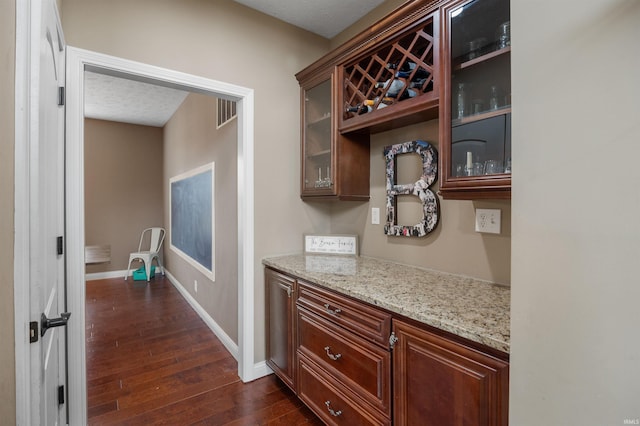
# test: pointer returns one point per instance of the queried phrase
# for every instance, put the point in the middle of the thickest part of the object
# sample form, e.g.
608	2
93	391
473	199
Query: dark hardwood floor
152	360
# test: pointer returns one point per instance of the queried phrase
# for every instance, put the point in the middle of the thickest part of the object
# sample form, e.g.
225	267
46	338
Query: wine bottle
383	102
394	87
365	107
420	85
359	109
419	74
407	66
409	93
407	69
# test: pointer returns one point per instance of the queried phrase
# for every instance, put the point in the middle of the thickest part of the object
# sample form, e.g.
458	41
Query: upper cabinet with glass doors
475	102
318	139
446	60
333	166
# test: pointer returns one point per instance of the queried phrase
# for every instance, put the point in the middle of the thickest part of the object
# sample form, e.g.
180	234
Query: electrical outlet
195	285
488	220
375	216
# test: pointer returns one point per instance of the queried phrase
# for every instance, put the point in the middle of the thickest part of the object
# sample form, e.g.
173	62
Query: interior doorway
78	61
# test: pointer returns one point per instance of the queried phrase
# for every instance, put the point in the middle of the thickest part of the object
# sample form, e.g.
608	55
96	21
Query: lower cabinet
438	382
335	353
325	395
280	300
344	361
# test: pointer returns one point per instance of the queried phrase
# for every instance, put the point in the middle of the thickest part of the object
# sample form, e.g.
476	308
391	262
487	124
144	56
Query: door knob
46	323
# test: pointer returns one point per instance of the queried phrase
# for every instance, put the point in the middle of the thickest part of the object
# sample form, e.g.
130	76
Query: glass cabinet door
317	138
477	135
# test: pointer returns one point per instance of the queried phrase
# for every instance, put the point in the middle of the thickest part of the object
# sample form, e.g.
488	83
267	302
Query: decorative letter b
420	189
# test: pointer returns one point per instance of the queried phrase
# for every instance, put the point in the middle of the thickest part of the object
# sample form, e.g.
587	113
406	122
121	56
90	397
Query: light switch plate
488	221
375	216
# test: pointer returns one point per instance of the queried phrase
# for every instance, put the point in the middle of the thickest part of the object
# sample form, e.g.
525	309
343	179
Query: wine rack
396	79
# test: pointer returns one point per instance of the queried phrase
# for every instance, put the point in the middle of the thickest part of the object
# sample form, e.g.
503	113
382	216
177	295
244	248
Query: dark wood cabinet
475	100
439	382
333	166
368	322
396	82
334	142
347	341
353	363
280	316
446	60
330	400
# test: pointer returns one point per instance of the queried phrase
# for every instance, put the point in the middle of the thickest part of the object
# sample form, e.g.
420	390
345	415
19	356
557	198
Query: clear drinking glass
492	167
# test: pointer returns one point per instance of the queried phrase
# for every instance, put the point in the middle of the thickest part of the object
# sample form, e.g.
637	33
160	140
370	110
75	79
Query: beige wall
7	117
575	312
191	140
123	187
453	246
363	23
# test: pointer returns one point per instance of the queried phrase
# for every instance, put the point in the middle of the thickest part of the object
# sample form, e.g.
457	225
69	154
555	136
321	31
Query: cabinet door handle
330	311
332	356
333	413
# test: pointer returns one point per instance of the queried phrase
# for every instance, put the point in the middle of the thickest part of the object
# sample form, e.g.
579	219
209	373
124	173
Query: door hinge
60	96
60	395
392	340
33	331
60	245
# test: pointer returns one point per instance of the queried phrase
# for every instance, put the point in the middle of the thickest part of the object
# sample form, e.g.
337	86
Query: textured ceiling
118	99
323	17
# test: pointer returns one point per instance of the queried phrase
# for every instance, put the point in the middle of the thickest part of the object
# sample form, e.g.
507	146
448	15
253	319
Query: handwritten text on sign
331	244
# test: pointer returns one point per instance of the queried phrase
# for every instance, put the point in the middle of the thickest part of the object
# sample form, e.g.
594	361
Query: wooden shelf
319	153
481	116
324	119
481	59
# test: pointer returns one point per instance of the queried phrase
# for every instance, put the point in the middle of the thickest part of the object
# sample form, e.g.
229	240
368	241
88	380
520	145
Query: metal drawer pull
333	413
330	311
332	356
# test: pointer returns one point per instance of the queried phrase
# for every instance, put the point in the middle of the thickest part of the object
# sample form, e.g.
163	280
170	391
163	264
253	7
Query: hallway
152	360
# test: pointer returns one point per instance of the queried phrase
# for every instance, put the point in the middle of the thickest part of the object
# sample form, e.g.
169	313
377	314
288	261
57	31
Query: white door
46	221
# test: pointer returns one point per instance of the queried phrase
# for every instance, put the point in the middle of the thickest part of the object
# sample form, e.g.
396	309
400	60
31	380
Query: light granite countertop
470	308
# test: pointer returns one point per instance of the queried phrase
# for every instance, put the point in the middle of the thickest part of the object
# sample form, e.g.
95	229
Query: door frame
21	264
77	61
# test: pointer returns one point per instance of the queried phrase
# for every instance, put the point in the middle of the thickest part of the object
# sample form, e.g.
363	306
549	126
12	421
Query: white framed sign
331	244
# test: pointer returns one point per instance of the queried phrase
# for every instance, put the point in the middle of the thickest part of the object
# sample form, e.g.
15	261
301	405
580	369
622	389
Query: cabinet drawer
328	399
367	322
361	366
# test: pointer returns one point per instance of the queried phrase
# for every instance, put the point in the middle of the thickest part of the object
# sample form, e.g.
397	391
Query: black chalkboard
192	215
